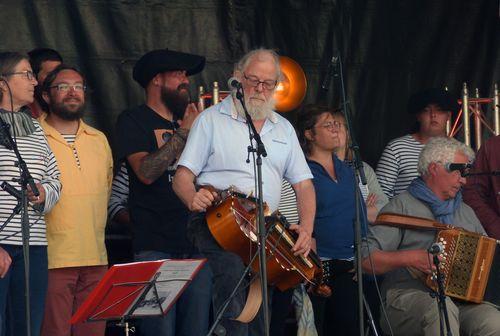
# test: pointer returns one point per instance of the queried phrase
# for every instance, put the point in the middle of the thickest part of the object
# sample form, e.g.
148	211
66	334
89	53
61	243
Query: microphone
11	190
330	73
233	83
457	166
436	248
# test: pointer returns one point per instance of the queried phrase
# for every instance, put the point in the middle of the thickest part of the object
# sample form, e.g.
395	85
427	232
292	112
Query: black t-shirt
159	217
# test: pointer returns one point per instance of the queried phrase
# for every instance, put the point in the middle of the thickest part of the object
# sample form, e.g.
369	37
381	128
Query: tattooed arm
149	166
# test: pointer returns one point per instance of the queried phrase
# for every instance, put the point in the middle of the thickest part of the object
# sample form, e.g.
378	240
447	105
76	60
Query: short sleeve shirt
216	152
158	215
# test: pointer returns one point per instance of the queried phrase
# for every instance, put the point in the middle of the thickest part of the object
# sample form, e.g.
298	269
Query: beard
176	100
65	112
257	110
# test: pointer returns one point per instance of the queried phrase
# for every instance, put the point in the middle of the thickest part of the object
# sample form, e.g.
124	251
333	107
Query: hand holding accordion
470	262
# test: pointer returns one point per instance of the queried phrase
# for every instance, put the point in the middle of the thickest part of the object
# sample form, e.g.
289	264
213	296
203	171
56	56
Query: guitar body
233	225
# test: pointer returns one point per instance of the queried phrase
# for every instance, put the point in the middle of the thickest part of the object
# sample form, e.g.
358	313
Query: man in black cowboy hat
150	138
397	166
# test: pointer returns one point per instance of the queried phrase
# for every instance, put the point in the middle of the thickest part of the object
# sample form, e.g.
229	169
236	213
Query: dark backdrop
390	48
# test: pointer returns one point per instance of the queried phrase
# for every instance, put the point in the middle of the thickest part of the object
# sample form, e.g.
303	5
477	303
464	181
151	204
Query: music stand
137	290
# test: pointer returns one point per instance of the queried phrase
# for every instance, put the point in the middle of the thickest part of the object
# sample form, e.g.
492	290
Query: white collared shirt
216	152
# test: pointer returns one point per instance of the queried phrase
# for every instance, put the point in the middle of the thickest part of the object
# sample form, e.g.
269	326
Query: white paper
174	275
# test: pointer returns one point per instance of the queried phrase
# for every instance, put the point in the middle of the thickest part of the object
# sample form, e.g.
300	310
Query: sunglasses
463	168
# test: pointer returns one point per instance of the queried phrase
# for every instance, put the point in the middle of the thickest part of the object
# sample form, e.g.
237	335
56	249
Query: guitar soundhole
219	215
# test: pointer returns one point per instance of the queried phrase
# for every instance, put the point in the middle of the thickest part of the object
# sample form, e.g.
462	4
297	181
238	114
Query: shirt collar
49	130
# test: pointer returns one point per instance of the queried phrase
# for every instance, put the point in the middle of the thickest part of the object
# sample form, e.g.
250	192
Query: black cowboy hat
161	60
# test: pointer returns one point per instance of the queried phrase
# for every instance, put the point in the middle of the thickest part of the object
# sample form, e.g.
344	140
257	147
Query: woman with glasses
17	84
372	193
335	187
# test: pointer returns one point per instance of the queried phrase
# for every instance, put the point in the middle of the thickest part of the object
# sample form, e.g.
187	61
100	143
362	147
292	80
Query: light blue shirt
216	152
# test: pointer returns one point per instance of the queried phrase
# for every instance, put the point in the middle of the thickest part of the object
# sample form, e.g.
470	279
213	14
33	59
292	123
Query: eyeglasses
331	125
28	73
254	82
462	168
63	87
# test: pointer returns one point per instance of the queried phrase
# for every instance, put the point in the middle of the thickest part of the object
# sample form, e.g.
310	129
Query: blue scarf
442	210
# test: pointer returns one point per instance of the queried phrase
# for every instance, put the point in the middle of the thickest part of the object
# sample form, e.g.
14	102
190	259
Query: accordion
470	264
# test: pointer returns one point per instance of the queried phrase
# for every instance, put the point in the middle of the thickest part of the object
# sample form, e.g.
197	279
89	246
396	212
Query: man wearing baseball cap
150	139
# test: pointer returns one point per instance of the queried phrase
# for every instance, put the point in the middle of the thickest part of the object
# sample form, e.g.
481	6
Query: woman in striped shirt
17	84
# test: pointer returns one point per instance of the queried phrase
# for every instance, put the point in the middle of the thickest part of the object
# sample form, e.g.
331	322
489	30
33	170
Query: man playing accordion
393	251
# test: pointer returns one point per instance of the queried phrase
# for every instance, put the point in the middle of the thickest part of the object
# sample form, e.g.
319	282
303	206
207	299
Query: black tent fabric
389	48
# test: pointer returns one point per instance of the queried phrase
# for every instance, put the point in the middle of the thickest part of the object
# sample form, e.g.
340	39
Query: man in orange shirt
75	226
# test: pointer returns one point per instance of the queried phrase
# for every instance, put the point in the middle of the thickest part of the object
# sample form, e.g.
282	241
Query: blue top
216	152
335	210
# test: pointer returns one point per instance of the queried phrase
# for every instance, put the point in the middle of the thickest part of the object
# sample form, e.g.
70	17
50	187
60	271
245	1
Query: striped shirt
288	203
70	139
397	166
119	192
42	166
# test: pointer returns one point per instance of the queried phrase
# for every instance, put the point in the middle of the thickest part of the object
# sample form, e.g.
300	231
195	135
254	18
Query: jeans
12	291
189	316
227	268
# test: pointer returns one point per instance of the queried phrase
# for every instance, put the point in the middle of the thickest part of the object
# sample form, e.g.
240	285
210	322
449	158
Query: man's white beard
257	112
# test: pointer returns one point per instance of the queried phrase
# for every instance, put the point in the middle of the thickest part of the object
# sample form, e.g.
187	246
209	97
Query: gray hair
260	54
442	150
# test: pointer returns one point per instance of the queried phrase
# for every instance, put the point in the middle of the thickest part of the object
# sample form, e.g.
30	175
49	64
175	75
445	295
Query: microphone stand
261	152
359	174
214	329
443	310
24	180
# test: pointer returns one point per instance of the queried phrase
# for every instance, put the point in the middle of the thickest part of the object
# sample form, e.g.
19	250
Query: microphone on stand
233	83
436	248
330	73
11	190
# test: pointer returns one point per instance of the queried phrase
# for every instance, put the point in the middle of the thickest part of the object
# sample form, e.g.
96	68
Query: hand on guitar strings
304	240
202	200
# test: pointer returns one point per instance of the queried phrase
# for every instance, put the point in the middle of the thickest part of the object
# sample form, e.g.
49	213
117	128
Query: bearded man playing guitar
216	154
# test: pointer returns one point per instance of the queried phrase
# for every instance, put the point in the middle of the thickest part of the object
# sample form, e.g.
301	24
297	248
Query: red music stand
136	290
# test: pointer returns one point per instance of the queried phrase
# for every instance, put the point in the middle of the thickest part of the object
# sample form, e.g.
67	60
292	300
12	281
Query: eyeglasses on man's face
64	87
331	125
254	82
28	73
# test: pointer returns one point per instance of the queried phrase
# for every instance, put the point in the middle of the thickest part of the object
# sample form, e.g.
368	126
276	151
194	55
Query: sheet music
174	275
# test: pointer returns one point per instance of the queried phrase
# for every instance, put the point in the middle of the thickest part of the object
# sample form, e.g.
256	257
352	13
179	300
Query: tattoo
156	163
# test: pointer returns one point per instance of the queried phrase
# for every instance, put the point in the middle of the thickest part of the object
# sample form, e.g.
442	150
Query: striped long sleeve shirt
119	192
42	166
397	166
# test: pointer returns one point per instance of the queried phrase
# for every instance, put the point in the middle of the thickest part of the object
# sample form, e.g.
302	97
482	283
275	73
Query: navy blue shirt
335	210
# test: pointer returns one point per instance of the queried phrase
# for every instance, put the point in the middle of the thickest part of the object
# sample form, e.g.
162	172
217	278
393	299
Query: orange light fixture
291	90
